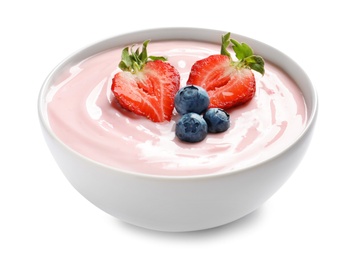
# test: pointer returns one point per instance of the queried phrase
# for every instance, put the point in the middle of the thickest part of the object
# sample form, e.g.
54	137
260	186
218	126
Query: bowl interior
193	34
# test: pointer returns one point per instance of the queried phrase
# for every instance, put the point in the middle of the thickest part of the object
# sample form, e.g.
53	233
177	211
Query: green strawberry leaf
242	50
153	58
125	62
225	44
143	56
244	54
134	60
256	63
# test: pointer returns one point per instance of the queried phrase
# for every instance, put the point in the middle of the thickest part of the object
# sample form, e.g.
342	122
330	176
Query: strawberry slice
228	82
146	85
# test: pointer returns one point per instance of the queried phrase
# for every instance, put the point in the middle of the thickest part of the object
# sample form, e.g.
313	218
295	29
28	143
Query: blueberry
191	99
191	128
217	120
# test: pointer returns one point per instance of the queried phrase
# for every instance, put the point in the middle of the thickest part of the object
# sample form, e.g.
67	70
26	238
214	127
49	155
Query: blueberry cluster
196	121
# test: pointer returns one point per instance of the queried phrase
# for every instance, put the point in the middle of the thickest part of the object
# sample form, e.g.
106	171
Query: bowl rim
168	33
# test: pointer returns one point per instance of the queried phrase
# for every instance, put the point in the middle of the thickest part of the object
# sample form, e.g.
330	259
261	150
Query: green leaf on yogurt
133	60
244	54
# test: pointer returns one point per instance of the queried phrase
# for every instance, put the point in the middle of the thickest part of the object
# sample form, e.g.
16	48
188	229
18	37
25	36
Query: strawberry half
146	85
228	83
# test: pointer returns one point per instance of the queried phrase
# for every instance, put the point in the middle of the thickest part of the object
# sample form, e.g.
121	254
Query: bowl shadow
238	226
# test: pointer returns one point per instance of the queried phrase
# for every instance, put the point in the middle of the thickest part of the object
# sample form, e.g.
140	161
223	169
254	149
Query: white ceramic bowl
180	203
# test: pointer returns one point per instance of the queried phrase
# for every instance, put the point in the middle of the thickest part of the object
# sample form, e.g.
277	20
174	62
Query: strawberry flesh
226	85
149	92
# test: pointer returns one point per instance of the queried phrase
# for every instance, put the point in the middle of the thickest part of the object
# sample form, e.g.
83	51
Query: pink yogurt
84	115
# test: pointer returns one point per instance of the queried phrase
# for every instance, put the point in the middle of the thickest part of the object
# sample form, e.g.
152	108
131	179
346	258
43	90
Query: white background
313	216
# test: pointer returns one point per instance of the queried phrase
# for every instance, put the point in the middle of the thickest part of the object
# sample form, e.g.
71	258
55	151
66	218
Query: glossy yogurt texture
84	114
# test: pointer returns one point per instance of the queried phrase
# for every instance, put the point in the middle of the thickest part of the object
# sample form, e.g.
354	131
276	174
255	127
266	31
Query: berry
217	120
146	85
191	128
228	83
191	99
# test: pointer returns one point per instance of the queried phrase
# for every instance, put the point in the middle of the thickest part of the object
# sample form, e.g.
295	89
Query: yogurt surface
84	114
